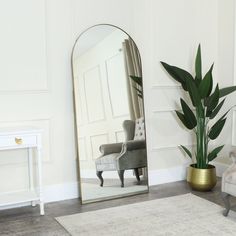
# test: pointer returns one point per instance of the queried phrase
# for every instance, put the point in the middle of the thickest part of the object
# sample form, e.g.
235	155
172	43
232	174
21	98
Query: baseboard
60	192
54	193
66	191
163	176
178	173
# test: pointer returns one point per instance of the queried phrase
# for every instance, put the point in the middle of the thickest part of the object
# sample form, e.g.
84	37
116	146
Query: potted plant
200	118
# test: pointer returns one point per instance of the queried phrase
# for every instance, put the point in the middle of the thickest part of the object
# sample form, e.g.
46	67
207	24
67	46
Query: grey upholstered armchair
124	156
228	186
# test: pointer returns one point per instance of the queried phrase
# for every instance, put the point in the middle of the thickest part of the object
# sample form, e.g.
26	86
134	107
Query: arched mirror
108	101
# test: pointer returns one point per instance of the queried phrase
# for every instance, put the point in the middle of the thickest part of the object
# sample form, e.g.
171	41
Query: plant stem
201	136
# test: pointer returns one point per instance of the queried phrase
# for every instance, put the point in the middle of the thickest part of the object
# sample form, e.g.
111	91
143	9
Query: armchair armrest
109	148
233	156
134	145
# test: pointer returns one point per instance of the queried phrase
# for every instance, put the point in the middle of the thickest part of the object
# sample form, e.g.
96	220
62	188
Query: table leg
41	203
31	176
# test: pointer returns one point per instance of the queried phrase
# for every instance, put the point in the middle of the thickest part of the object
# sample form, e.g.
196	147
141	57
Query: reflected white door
102	102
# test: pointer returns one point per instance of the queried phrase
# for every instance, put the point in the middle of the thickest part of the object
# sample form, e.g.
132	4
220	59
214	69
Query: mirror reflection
109	114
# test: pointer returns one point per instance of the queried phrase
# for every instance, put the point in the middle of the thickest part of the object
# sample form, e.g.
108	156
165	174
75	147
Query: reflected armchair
124	156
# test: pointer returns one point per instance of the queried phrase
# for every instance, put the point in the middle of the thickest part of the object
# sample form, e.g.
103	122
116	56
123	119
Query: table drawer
17	141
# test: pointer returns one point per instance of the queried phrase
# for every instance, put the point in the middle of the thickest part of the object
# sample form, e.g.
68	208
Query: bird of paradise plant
207	103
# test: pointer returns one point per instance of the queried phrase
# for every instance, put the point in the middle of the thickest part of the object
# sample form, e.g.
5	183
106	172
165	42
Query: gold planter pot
202	179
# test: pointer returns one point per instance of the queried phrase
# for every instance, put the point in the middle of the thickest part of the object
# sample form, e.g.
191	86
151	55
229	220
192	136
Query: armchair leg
121	175
225	197
99	175
136	172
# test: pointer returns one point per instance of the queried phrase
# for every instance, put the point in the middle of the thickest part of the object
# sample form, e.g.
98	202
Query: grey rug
185	215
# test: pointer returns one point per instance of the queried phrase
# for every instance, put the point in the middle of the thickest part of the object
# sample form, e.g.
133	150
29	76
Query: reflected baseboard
114	197
91	174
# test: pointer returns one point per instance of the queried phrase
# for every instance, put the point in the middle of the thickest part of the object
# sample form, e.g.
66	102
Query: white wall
163	30
38	39
171	33
226	74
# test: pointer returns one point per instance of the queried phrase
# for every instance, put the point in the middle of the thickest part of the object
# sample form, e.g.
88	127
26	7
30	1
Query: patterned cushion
139	133
107	162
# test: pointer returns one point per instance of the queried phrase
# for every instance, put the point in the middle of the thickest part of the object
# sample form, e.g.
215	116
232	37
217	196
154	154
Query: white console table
29	138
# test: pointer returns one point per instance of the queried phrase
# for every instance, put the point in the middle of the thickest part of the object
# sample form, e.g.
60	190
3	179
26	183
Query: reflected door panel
103	93
117	85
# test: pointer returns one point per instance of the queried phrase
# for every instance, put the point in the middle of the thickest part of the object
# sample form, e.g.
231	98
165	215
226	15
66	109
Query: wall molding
163	111
168	110
117	132
83	139
109	89
78	108
47	89
91	143
166	86
86	96
162	176
60	192
155	149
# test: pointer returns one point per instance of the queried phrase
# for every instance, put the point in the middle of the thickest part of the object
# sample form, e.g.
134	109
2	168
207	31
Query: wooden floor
26	220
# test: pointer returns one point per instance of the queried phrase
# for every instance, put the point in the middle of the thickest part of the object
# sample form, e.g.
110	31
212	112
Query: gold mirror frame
76	124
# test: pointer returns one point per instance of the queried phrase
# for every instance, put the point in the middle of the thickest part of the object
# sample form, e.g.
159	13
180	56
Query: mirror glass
108	99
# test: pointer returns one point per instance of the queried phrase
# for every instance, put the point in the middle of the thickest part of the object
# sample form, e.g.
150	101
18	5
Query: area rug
185	215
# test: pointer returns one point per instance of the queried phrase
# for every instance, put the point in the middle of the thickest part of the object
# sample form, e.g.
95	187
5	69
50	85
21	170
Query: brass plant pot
201	179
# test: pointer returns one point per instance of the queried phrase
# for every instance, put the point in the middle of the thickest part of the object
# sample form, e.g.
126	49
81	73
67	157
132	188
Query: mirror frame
76	123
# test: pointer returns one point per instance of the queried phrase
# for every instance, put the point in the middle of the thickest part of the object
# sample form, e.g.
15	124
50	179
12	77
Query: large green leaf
216	129
140	95
138	87
215	112
178	74
213	154
212	101
193	93
198	65
185	122
189	115
138	90
137	79
187	151
227	90
206	84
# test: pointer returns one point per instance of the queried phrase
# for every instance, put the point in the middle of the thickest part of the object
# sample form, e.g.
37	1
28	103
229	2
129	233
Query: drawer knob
18	141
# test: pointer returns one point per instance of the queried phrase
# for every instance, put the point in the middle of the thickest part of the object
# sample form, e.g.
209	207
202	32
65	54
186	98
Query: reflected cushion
107	162
139	133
